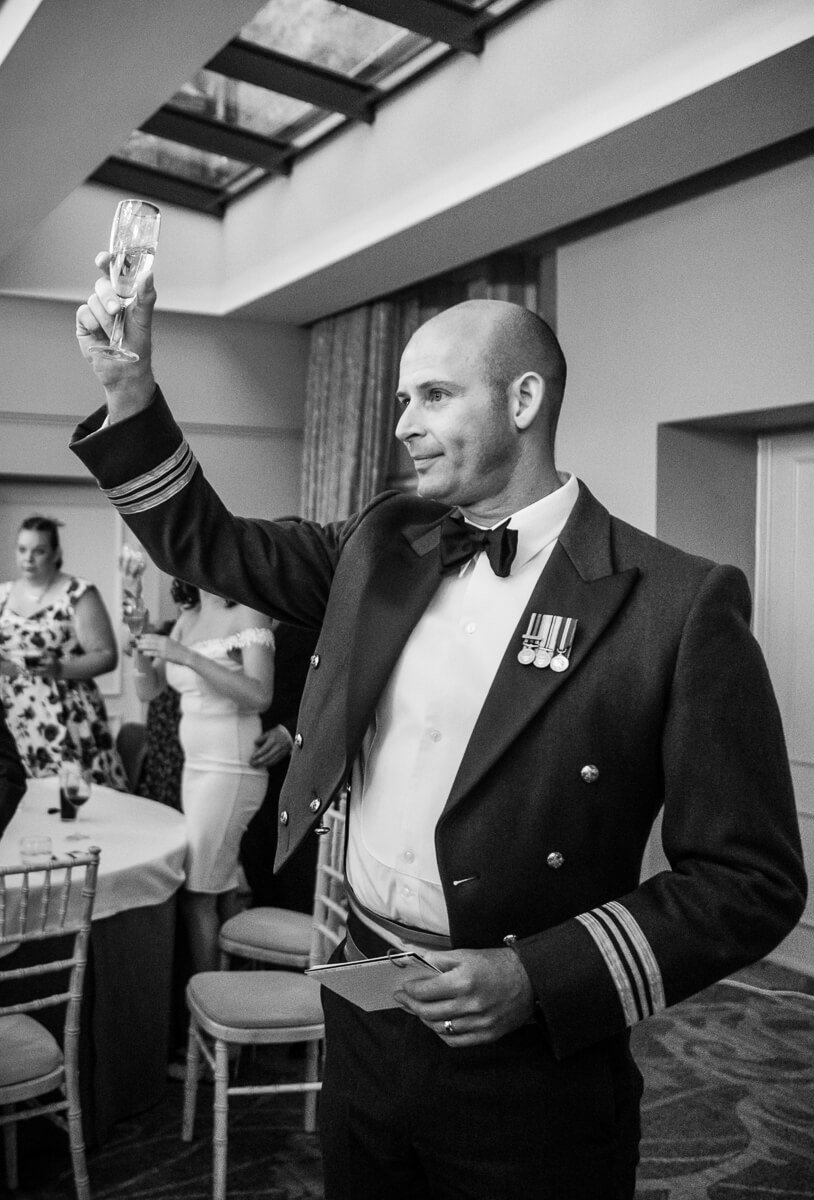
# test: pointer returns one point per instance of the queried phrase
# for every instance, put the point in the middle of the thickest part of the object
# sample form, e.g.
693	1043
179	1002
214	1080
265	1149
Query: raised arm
129	387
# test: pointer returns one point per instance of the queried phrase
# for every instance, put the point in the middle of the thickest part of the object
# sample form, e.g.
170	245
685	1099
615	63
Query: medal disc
559	663
542	658
526	656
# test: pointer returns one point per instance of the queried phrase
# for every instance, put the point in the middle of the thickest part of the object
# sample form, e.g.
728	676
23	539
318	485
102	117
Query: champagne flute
133	240
134	615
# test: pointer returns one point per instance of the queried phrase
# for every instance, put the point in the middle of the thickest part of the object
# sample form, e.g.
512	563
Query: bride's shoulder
250	628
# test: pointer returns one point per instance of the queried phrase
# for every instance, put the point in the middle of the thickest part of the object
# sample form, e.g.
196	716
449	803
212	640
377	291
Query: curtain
350	452
350	408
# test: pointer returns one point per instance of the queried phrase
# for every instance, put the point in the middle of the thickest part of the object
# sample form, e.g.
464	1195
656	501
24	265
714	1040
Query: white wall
237	387
700	309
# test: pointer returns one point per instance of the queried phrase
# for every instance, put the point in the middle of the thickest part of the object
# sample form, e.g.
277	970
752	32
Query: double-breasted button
315	803
589	773
555	860
315	661
284	817
298	740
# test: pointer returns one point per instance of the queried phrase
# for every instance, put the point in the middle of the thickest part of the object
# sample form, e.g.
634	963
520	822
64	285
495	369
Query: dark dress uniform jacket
666	702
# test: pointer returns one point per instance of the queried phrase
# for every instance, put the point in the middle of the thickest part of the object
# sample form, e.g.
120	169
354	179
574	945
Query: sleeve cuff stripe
156	487
629	959
614	965
151	478
160	497
645	951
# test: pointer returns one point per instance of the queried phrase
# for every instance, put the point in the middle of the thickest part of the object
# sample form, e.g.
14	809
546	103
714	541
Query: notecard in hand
371	982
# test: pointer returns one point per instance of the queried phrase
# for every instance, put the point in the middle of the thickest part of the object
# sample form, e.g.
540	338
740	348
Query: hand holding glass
134	612
133	241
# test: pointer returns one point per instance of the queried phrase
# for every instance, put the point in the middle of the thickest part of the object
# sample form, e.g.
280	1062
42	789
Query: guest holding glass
220	658
55	639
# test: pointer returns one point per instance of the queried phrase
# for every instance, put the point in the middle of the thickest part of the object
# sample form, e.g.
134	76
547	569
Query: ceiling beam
292	77
157	185
461	29
204	133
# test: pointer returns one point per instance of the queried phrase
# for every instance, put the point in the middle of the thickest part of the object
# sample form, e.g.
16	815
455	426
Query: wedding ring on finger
449	1029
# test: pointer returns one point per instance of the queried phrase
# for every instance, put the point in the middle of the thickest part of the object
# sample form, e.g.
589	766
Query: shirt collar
542	522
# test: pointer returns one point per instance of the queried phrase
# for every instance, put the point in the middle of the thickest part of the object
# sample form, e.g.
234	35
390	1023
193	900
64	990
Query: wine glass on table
133	241
74	792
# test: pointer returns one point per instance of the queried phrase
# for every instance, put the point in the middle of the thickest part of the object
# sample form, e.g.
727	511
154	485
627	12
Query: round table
143	843
127	1002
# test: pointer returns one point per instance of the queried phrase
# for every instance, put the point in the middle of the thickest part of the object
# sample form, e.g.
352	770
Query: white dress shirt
425	717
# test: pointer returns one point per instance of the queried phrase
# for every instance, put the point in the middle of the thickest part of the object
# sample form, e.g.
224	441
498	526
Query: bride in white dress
220	657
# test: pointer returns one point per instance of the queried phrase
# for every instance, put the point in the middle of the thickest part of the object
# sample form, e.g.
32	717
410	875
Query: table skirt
126	1014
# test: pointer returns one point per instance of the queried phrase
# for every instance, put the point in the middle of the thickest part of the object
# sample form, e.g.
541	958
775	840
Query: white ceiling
572	108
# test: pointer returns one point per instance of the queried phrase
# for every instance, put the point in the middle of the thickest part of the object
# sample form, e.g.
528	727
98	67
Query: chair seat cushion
255	999
27	1050
267	929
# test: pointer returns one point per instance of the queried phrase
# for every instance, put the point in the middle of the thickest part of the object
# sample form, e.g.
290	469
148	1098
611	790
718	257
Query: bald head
480	388
509	340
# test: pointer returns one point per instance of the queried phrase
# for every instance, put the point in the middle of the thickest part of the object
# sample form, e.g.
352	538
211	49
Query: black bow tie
460	541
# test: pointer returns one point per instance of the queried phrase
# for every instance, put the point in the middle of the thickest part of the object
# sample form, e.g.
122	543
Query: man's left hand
481	994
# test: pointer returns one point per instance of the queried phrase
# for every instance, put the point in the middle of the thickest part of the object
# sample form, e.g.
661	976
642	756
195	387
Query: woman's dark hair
48	525
185	595
188	596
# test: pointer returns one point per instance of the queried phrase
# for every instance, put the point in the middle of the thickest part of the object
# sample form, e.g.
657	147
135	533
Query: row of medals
547	641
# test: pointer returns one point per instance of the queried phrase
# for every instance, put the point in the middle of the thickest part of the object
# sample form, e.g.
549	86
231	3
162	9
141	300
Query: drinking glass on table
133	241
35	850
74	791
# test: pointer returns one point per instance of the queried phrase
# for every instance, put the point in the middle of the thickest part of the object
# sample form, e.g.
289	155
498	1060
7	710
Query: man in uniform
511	683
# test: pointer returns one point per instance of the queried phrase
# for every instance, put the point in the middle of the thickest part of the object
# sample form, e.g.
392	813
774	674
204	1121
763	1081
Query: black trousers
404	1116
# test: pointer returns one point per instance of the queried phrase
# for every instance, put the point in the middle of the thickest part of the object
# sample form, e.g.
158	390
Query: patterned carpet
728	1115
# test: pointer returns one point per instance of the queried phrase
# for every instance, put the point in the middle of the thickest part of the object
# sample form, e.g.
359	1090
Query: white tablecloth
143	843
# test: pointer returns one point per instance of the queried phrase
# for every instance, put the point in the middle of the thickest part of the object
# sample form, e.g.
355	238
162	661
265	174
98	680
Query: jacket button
315	803
589	773
284	817
555	860
298	740
315	661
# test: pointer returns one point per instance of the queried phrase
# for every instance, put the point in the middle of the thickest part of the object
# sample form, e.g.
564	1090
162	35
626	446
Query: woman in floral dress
55	638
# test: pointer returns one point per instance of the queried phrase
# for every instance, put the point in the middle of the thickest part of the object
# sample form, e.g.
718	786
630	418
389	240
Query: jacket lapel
579	581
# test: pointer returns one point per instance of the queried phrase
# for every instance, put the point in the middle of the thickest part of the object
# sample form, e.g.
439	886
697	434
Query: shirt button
470	627
315	661
283	817
406	892
589	773
555	860
408	856
435	735
298	739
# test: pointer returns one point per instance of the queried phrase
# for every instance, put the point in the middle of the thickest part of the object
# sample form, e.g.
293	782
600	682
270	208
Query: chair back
41	903
330	912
